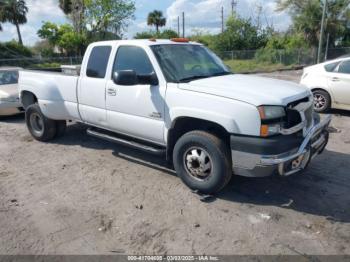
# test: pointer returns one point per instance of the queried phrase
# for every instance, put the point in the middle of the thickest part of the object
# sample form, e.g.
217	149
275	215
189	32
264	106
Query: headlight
271	112
272	118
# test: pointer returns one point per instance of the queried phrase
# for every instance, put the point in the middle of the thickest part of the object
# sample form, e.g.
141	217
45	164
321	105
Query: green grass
47	65
245	66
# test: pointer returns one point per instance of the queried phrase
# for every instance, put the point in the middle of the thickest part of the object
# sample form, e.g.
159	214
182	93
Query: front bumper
285	155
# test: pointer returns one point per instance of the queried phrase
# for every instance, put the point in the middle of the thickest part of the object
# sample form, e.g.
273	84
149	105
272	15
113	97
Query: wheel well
28	99
184	125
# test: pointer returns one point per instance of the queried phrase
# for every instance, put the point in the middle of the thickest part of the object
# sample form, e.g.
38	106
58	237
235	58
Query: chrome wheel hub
198	163
37	124
319	101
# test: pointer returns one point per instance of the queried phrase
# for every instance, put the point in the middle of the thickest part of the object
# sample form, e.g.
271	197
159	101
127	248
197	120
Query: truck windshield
8	77
185	63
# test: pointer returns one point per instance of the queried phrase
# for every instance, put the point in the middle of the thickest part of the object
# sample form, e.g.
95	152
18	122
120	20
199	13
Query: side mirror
130	78
125	78
149	79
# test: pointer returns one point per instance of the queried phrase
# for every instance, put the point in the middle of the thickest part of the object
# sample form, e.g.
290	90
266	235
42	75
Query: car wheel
322	101
202	161
40	127
61	127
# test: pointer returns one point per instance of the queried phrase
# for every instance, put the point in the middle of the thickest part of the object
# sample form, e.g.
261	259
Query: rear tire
203	162
322	101
40	127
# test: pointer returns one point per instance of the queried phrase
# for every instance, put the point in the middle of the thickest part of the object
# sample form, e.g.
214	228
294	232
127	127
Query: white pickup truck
177	98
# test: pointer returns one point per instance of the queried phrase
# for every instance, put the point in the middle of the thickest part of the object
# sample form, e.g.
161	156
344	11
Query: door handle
335	79
111	92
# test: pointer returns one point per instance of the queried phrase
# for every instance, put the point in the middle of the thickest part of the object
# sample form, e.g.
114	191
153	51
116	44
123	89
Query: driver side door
136	110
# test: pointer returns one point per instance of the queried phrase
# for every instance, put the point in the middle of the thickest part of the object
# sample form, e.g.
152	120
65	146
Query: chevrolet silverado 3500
176	98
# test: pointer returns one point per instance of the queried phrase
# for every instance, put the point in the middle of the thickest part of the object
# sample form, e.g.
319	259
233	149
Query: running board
106	135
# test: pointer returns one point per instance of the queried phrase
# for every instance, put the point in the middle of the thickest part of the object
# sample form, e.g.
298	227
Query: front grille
299	111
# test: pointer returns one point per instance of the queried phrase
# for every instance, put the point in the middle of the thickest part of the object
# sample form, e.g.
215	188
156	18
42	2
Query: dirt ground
80	195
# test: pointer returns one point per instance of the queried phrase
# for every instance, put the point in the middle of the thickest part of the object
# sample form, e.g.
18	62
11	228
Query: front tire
322	101
203	162
40	127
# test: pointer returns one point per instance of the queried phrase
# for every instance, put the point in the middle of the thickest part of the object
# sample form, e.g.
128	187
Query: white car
330	84
177	98
9	94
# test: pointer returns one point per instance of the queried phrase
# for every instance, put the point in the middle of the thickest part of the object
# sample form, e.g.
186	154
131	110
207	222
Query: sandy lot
80	195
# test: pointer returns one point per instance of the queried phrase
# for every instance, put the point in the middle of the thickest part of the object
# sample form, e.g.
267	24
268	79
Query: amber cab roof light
180	40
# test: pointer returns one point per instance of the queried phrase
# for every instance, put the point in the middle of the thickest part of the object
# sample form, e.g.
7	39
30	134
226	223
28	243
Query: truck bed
56	92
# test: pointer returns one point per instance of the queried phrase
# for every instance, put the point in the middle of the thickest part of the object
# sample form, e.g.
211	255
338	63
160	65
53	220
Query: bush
13	50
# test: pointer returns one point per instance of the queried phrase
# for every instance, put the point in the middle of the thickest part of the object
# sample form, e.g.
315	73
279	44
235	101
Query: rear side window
98	61
344	67
331	67
132	58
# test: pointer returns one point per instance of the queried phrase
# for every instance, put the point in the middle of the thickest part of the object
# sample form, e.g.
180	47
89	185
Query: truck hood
250	89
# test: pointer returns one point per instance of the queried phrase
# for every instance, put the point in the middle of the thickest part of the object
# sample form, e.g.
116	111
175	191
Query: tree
64	37
108	15
166	34
241	34
156	18
74	10
307	15
66	6
14	11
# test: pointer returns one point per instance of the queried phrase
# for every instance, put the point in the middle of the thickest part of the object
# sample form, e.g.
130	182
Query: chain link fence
240	60
40	62
274	56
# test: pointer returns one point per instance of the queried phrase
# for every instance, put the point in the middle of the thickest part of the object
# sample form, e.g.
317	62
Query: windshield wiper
191	78
222	74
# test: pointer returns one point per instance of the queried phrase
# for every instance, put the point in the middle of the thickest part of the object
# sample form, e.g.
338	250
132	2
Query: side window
132	58
344	67
98	61
331	67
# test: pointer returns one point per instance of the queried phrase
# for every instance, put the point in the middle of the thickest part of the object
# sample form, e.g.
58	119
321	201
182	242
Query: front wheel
202	161
322	101
40	127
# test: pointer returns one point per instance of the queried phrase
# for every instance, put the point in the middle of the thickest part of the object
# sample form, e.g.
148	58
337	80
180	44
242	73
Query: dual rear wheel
42	128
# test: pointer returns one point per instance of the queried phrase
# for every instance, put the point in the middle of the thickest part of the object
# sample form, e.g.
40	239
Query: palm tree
156	18
14	12
66	6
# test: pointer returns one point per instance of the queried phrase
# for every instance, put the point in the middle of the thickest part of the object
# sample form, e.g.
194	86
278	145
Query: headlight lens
271	112
271	120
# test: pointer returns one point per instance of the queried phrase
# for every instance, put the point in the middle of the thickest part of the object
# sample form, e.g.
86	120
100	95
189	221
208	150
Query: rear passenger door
136	110
92	87
340	83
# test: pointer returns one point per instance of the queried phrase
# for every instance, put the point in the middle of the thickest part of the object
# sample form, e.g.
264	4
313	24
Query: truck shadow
322	190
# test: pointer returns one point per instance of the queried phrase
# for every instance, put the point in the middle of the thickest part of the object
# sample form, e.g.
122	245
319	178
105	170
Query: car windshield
8	77
184	63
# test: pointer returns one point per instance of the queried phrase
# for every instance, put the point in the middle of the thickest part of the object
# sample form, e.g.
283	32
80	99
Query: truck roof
145	42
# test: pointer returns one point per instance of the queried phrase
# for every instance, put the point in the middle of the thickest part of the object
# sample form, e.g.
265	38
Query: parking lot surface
80	195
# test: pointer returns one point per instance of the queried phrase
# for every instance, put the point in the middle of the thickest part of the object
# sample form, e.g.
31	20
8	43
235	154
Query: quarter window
344	67
132	58
331	67
98	62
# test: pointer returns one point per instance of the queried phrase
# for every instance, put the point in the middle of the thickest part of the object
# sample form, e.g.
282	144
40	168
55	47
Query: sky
200	15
